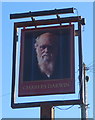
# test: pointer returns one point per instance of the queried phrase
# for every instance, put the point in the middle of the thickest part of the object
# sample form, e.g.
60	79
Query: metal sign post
82	78
85	105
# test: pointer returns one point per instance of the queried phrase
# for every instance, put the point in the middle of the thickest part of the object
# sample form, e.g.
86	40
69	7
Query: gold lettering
47	86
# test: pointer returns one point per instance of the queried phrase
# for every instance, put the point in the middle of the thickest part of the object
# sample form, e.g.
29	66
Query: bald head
47	37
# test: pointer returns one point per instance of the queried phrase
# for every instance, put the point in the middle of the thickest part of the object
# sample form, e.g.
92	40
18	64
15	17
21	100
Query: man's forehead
47	37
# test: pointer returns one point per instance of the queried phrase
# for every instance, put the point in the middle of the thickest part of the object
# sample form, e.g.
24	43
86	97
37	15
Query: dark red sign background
53	86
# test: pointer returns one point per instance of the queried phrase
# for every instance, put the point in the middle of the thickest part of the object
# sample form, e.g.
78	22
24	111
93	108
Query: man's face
46	47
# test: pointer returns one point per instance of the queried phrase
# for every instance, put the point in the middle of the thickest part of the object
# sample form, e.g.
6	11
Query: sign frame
79	101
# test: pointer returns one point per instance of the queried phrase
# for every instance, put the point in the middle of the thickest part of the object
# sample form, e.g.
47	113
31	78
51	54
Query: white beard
46	64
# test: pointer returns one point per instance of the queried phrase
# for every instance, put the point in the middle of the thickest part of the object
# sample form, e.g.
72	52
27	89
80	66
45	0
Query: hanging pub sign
47	61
